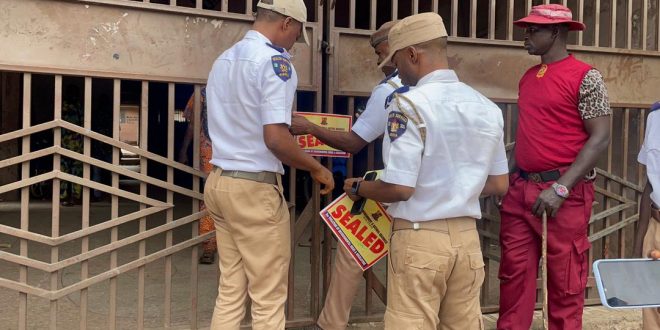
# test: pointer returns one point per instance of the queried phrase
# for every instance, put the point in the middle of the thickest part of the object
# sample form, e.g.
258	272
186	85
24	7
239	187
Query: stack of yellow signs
366	235
315	147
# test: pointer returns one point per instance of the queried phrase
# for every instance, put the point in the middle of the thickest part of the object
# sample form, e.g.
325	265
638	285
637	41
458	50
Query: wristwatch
560	190
355	187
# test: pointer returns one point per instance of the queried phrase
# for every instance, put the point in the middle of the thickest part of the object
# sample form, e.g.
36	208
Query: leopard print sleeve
593	100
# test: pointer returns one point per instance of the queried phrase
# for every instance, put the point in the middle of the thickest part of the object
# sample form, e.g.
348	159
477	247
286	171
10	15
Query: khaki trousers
651	316
346	277
254	247
434	276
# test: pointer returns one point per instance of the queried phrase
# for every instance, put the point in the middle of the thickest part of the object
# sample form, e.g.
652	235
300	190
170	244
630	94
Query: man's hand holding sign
366	234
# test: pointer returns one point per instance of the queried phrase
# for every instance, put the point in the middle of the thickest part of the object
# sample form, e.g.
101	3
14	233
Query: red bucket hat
550	14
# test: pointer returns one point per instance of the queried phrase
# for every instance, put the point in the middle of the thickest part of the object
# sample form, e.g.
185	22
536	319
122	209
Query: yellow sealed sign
366	236
315	147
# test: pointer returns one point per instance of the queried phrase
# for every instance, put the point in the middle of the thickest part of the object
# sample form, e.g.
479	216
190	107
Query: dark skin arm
643	222
496	185
346	141
384	192
187	139
280	142
513	168
599	138
379	191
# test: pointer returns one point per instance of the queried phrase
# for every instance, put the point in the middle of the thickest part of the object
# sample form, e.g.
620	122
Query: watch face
561	190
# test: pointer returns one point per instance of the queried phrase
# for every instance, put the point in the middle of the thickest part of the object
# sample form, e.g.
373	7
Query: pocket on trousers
396	320
274	200
477	267
422	268
577	271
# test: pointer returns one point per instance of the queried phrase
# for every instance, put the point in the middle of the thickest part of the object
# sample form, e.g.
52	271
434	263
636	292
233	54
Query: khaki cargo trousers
254	247
435	272
346	277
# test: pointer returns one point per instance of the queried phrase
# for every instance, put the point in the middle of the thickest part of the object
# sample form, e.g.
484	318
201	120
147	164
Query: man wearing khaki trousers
346	274
443	148
250	94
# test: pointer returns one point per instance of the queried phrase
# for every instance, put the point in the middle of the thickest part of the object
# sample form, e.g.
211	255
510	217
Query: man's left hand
547	201
348	185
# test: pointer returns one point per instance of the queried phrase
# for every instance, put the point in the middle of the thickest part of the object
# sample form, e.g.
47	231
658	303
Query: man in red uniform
563	126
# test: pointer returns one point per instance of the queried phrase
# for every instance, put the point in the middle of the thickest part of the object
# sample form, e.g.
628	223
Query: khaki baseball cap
414	30
381	34
295	9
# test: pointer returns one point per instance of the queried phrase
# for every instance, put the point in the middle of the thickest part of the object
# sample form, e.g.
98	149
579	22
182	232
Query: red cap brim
572	25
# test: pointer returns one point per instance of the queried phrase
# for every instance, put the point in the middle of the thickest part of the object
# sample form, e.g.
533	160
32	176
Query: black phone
358	206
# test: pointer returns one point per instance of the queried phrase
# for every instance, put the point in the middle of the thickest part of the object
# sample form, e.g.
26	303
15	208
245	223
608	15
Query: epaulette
415	117
655	106
392	75
399	90
279	49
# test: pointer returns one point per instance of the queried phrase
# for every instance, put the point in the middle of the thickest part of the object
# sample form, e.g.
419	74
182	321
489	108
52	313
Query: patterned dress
205	151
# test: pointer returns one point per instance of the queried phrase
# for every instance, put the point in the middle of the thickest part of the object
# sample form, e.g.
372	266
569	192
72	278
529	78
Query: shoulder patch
655	106
399	90
397	123
282	67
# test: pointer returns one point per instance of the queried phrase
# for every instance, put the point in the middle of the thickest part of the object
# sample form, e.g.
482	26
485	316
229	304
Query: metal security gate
127	68
130	259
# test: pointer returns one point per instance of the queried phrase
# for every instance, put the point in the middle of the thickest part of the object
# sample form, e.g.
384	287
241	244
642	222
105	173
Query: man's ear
413	54
555	32
286	24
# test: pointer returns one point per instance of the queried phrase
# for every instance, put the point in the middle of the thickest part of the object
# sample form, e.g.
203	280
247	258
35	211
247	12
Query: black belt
546	176
264	177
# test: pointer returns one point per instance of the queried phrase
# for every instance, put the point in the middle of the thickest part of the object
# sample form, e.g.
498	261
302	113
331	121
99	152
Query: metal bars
466	17
63	127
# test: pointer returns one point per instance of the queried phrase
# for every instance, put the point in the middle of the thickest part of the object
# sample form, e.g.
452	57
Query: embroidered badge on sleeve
282	67
397	123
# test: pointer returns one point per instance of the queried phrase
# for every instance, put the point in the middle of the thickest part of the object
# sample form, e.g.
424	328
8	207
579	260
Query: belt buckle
415	225
535	177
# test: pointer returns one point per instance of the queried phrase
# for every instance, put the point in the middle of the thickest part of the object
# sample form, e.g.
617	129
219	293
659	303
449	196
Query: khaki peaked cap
295	9
381	34
414	30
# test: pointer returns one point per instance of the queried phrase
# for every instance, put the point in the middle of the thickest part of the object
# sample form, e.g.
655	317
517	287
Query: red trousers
568	245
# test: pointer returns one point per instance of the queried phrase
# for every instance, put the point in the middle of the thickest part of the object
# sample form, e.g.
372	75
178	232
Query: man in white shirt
346	274
648	234
443	148
250	93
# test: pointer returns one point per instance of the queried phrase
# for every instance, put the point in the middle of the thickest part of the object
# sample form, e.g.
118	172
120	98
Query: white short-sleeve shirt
371	123
251	84
649	155
464	144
